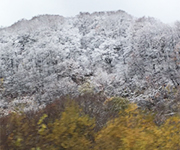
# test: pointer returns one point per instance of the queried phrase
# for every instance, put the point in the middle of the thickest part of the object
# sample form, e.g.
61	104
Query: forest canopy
68	124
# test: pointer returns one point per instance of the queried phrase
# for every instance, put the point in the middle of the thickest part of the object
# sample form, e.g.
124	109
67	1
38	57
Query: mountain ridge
110	52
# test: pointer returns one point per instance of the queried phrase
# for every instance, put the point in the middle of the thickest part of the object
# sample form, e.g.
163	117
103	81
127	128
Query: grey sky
11	11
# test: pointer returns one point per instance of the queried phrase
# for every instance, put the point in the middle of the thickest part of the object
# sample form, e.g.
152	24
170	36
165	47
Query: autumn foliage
66	125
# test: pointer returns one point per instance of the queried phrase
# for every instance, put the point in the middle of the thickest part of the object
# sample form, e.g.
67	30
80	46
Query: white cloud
14	10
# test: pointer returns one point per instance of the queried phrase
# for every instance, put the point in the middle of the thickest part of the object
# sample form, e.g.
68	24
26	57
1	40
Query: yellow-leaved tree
74	131
169	137
132	130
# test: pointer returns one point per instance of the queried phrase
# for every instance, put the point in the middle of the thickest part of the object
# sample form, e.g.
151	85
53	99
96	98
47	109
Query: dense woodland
84	123
105	80
113	52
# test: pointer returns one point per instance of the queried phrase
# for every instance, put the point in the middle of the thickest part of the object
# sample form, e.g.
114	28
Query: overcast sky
11	11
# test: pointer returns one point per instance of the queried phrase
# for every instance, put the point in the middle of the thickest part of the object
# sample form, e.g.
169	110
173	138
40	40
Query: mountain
110	52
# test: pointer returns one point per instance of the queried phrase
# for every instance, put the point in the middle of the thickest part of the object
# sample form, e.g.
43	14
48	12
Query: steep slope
111	52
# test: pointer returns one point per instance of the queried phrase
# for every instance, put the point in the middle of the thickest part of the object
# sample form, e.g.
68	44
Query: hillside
104	52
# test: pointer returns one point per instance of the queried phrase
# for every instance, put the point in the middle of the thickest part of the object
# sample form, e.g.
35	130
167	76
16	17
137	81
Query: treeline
89	122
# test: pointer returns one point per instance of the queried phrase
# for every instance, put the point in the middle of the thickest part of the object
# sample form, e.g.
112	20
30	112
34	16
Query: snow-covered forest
110	52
